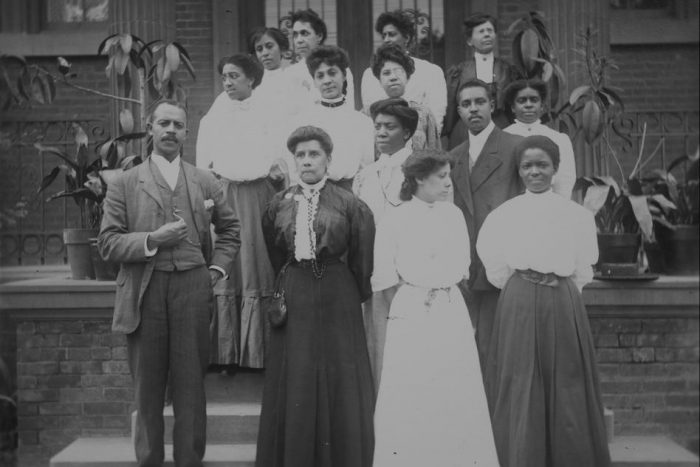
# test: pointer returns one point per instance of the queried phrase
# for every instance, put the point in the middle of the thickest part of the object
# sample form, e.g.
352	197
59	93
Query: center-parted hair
538	142
418	166
477	19
330	55
310	133
315	21
392	53
512	90
400	20
400	109
275	34
250	66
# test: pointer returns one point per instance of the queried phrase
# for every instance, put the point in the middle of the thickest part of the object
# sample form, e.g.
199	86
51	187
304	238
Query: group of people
431	300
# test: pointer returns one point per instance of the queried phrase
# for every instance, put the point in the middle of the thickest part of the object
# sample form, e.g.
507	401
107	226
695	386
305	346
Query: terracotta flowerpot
104	270
77	243
618	248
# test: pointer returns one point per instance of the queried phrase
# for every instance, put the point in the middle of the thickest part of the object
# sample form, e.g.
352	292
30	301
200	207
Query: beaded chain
312	208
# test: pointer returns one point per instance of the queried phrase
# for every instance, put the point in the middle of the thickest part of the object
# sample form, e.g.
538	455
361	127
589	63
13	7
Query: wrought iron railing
36	238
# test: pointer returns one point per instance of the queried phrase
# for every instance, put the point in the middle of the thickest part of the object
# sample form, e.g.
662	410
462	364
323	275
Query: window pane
76	11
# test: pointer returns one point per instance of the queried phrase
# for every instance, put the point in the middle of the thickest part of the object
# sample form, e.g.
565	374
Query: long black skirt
318	400
541	379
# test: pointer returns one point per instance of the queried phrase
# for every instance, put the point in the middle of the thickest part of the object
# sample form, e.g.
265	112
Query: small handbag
276	309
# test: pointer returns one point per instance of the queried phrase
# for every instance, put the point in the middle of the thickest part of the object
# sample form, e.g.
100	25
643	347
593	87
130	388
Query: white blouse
280	93
426	245
379	184
426	86
544	232
351	132
232	140
564	179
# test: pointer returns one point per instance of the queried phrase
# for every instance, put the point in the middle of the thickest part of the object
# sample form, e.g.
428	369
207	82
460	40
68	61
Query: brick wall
73	380
649	375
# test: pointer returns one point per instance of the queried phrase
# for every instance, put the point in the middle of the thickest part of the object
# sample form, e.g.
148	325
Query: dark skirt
318	400
541	379
238	328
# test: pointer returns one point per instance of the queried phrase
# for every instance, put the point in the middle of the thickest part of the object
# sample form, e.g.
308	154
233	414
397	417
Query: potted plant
677	226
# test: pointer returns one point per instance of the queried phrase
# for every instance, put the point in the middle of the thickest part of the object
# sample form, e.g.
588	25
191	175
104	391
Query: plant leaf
106	44
38	90
172	57
121	60
56	152
131	136
547	71
595	198
126	120
49	179
514	25
643	215
592	121
126	41
577	93
529	48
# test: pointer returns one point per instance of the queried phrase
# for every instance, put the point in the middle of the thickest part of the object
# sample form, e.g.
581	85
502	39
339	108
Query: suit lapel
148	182
469	70
488	161
461	177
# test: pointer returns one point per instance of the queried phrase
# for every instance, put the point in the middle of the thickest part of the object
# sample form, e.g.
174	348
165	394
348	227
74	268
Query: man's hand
214	276
169	234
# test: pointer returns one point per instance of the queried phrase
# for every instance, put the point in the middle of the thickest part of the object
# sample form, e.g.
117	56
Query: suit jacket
493	180
455	76
133	208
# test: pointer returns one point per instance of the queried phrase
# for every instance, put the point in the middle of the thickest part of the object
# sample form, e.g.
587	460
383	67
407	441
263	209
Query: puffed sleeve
385	248
461	236
566	175
278	256
489	246
361	250
437	94
203	150
586	248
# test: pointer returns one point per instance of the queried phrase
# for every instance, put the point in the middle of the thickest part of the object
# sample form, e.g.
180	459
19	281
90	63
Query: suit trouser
482	310
173	336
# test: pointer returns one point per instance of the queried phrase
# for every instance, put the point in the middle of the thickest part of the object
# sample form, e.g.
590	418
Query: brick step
119	452
626	451
245	386
609	423
650	451
227	423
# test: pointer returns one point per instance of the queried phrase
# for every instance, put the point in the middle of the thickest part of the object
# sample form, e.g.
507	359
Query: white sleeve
463	242
203	147
385	274
437	95
586	248
350	94
489	246
370	89
566	175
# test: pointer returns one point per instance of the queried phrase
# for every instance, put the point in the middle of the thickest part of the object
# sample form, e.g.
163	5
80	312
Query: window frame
654	26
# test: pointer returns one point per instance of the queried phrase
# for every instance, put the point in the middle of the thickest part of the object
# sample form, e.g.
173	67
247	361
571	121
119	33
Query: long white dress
431	408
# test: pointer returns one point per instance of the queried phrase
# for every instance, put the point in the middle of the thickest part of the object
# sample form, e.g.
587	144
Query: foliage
534	54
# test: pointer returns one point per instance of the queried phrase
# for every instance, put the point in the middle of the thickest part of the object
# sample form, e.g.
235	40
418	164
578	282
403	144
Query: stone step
227	423
119	452
609	423
245	386
650	451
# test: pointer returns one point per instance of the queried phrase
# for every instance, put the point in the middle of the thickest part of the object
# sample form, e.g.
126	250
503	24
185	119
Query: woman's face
483	38
311	161
527	105
392	35
268	52
305	38
393	79
236	84
436	186
389	134
329	80
536	170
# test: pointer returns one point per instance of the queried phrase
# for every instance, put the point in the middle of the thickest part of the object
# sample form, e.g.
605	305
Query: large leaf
56	152
38	91
107	44
577	93
126	41
172	58
643	216
595	198
529	48
77	194
592	121
49	179
126	121
81	138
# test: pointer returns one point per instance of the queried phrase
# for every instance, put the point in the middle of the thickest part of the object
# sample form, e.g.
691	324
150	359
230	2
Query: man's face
168	130
305	38
474	108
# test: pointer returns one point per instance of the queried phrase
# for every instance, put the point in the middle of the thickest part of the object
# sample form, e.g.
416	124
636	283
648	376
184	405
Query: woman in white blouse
232	143
525	99
437	415
541	376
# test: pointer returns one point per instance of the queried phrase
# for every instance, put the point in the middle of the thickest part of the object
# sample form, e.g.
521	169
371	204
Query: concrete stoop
650	451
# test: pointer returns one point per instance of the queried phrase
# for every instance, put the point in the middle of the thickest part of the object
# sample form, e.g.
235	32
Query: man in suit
481	36
156	224
484	176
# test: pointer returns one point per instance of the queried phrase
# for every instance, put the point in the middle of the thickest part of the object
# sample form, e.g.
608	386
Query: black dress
318	400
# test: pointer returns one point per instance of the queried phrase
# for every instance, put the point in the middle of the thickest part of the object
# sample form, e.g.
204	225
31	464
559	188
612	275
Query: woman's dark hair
418	166
310	133
311	17
538	142
276	35
250	66
399	19
392	53
330	55
399	108
477	19
512	90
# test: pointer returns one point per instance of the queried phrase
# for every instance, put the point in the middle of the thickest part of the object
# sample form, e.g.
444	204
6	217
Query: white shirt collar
543	193
477	142
398	158
479	57
307	187
169	170
527	126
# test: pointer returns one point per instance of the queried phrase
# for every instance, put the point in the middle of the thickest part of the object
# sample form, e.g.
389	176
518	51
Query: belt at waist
541	278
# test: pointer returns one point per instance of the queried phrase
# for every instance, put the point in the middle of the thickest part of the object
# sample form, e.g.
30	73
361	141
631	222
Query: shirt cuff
221	270
149	253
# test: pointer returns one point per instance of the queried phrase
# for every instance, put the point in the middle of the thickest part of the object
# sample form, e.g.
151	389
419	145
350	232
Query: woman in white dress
232	143
540	371
431	408
525	99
